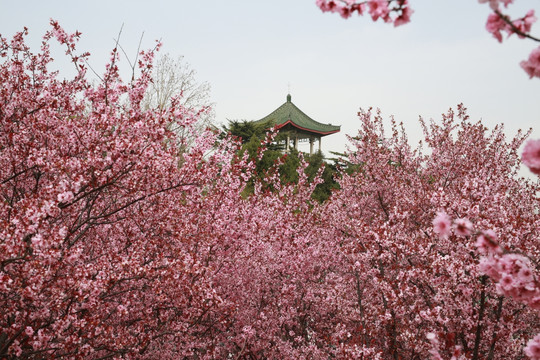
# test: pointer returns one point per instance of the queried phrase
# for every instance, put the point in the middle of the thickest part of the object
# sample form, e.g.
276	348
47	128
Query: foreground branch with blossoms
117	241
399	12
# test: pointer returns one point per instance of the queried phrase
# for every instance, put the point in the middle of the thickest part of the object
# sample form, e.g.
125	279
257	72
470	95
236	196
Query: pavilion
297	126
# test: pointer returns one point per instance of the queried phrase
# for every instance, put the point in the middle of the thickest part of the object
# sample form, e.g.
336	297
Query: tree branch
514	28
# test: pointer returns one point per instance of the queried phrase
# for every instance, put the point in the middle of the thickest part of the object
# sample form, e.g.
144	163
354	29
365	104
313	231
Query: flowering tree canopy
117	241
100	253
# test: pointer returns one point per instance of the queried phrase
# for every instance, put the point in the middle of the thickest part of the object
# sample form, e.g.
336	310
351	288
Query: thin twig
136	57
91	68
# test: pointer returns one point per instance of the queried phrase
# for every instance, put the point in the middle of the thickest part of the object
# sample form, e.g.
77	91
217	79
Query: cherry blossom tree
99	254
513	273
408	278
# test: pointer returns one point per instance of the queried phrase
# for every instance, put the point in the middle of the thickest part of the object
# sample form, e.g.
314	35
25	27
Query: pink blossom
529	19
514	277
332	5
532	350
59	32
359	8
463	227
434	350
345	11
532	66
441	224
122	309
65	197
458	350
524	24
37	240
525	275
506	282
29	331
531	151
490	266
535	302
378	8
16	348
493	4
249	331
495	24
325	5
405	16
487	242
322	5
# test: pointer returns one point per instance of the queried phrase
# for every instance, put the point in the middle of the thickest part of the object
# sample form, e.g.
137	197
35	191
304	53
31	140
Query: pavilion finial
288	97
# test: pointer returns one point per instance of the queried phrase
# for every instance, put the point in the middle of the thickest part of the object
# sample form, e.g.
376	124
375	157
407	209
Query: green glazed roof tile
288	113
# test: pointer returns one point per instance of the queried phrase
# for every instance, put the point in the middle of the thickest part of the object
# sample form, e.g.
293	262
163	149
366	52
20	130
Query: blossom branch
514	28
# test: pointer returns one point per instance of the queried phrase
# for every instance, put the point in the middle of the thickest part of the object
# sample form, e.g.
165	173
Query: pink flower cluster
495	24
514	277
434	351
511	272
487	242
532	350
532	64
376	9
494	4
531	151
498	22
524	24
442	226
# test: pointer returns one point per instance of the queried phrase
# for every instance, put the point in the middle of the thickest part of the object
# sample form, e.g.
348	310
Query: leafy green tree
252	136
323	190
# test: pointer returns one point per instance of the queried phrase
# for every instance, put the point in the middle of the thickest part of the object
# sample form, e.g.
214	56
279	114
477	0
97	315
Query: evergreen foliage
252	136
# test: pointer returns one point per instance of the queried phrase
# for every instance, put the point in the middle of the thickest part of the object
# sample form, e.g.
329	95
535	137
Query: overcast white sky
250	50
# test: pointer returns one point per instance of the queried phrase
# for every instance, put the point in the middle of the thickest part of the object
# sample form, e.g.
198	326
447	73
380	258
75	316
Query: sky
252	52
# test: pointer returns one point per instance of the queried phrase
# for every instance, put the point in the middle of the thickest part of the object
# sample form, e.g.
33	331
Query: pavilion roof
288	113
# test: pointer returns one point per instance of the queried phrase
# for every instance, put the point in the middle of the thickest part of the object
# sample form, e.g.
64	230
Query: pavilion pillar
311	146
287	143
296	142
320	143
